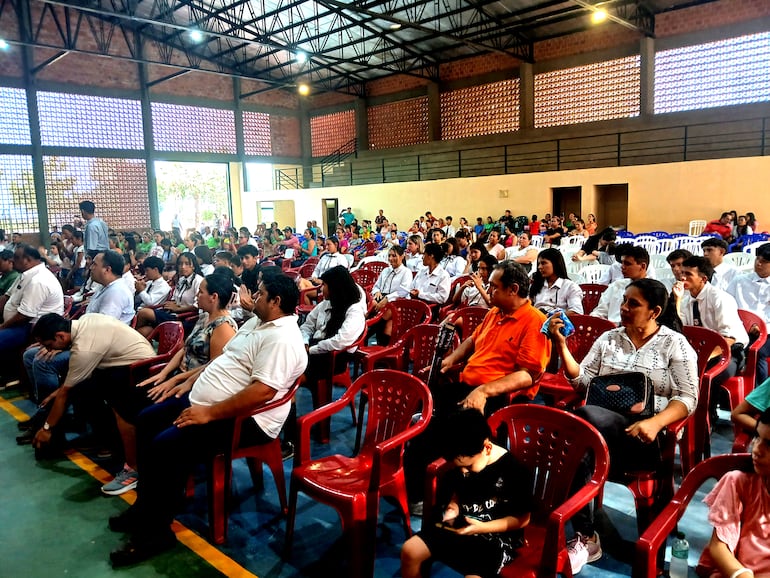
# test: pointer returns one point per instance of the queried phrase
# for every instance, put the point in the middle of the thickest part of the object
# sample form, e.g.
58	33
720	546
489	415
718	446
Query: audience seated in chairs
645	342
259	364
551	287
432	283
504	358
393	283
336	324
414	250
184	297
474	292
738	511
329	259
214	329
153	290
634	267
523	252
453	263
490	504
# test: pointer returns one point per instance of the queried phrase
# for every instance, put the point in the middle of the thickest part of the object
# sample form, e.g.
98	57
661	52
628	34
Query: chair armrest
371	321
433	473
395	350
304	423
398	440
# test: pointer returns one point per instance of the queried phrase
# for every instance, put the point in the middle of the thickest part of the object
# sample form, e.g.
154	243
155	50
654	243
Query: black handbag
630	394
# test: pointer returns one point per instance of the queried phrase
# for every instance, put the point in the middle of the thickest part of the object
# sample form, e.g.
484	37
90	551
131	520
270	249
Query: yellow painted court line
201	547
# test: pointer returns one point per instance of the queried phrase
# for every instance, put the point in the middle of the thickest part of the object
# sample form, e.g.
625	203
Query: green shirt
7	280
212	243
145	247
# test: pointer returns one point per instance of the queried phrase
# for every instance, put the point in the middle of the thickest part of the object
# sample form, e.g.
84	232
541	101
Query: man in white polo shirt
37	292
261	362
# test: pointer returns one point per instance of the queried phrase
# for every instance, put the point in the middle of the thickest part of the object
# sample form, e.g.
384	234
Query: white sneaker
578	554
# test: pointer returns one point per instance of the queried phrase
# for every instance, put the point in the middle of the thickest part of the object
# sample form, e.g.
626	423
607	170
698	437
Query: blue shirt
95	237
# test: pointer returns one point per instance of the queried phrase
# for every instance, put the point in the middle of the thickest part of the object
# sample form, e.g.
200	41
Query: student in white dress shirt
432	283
154	289
414	249
552	288
393	283
452	262
633	266
714	250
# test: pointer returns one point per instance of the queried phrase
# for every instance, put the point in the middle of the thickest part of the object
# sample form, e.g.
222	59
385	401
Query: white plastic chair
696	227
593	273
577	278
658	261
691	244
537	241
740	260
665	246
751	248
642	239
575	241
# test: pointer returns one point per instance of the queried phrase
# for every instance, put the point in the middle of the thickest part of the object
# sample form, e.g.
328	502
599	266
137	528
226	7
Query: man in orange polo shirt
506	355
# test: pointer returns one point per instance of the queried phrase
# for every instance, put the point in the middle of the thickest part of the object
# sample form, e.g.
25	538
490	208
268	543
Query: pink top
739	510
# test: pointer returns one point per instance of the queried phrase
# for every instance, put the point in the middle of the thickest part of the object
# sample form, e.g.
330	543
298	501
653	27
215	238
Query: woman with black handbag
647	356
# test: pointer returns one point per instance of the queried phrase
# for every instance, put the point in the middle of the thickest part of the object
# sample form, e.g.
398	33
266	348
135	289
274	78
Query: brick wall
280	97
324	99
194	84
329	132
284	131
398	124
710	15
477	66
395	83
11	65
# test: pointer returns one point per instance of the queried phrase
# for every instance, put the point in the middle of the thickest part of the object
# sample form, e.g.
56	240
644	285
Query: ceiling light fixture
303	89
599	15
4	45
395	26
301	57
196	35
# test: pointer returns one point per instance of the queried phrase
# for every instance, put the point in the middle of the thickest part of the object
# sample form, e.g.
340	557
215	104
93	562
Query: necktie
696	320
148	288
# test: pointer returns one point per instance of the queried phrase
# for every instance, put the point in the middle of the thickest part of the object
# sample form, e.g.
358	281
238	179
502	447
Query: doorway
612	206
330	215
566	200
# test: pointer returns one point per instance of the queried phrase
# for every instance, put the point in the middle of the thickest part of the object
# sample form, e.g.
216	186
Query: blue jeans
14	338
45	374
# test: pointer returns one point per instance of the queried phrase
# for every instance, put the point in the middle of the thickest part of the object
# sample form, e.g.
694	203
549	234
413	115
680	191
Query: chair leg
290	519
274	461
220	474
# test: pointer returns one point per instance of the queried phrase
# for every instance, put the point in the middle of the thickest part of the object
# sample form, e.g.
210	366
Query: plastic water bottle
680	550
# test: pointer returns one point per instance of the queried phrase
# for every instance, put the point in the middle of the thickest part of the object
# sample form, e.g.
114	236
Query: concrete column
362	125
306	144
434	112
149	139
526	96
647	76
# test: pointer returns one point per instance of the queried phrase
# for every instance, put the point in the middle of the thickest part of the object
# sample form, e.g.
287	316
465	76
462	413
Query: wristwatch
46	426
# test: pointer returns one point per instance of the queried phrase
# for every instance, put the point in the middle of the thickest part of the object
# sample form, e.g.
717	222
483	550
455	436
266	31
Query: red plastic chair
406	313
695	444
376	266
415	349
740	385
654	538
302	308
551	443
587	330
67	306
472	317
354	485
366	278
221	469
592	292
170	338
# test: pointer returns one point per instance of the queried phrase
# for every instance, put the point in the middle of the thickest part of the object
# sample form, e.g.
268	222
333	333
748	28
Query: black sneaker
287	450
26	425
26	438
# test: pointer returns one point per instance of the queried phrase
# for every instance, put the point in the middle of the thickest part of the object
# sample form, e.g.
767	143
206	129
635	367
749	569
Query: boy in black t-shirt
489	504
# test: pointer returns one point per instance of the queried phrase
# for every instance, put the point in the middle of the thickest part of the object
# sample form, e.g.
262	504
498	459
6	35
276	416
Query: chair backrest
537	241
704	341
644	239
696	226
394	397
552	444
576	240
273	403
665	246
376	266
593	273
419	344
587	330
313	260
456	284
366	278
750	320
306	271
751	248
170	337
592	292
407	313
692	244
472	318
658	234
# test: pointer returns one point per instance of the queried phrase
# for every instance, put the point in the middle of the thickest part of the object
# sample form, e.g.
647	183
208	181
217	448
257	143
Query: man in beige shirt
102	349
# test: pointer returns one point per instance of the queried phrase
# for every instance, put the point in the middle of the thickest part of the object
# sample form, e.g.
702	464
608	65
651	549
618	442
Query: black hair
68	227
656	295
78	235
701	264
6	255
130	240
556	259
235	260
164	242
222	284
677	254
335	240
223	256
763	251
638	254
489	261
87	207
284	287
463	434
714	242
312	233
514	273
29	251
190	257
154	263
435	251
343	292
203	253
49	325
455	247
114	261
248	250
397	249
269	271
